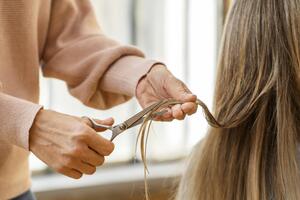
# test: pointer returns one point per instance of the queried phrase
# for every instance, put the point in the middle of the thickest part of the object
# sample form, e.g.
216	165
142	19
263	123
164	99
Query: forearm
98	71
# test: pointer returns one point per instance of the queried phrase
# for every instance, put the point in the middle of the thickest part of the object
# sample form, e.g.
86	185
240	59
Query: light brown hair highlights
144	130
253	156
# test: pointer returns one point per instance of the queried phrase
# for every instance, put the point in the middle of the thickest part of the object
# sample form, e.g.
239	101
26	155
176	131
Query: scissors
133	121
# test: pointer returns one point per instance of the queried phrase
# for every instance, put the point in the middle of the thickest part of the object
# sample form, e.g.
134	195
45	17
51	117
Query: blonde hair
144	130
253	155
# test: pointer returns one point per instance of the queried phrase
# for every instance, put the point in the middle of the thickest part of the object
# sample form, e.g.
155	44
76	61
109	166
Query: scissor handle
96	125
131	122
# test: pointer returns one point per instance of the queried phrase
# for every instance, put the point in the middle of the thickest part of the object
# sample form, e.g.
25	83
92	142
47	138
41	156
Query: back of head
257	99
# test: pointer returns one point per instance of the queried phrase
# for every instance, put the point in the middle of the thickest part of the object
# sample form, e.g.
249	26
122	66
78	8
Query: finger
177	112
100	145
92	158
164	119
167	119
85	168
72	173
188	97
168	115
189	108
158	118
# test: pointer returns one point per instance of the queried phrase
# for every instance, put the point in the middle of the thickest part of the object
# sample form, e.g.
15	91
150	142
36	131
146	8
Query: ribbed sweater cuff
17	116
123	76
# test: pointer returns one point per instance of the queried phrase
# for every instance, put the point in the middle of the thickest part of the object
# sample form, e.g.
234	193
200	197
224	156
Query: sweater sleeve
17	116
99	71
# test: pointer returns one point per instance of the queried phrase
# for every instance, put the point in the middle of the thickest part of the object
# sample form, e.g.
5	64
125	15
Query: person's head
257	100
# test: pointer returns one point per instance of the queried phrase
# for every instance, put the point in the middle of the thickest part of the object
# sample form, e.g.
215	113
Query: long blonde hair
253	155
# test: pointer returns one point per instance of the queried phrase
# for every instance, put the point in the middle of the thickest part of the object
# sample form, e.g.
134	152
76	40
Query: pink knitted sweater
62	38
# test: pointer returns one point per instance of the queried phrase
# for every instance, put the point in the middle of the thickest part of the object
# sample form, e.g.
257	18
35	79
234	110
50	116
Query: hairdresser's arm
98	70
65	143
160	84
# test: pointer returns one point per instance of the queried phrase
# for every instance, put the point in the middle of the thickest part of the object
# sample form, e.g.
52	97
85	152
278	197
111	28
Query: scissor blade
129	122
118	129
141	120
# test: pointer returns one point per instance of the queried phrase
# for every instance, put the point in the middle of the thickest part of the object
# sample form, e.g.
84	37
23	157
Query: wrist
142	84
145	80
35	127
156	70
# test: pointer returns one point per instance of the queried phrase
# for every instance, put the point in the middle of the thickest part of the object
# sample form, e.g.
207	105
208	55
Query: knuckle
60	168
76	176
176	116
69	162
91	170
76	151
86	121
181	117
100	161
109	149
187	109
82	135
192	112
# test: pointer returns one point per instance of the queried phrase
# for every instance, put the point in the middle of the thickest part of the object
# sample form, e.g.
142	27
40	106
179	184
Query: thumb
179	91
107	122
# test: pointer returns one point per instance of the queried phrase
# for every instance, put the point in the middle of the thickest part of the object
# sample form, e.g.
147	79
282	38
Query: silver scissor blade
118	129
141	120
129	122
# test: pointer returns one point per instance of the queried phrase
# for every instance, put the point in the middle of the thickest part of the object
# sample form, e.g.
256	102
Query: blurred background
184	34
